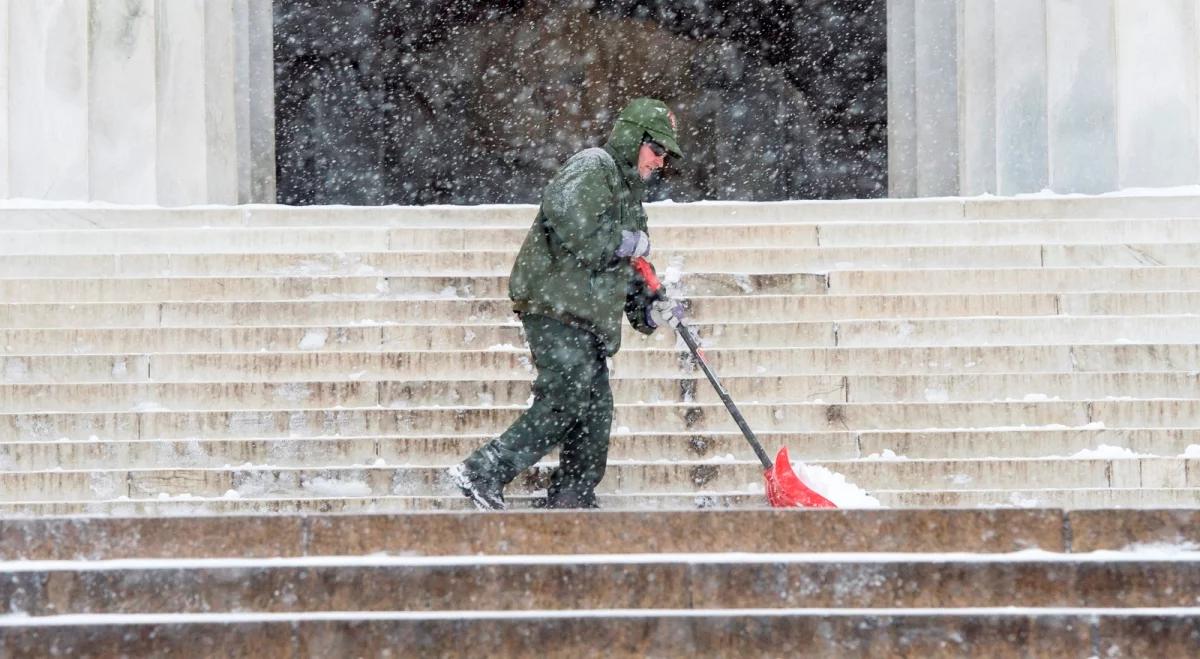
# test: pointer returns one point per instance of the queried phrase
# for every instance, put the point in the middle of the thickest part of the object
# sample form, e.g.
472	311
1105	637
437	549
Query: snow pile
887	454
1106	452
314	339
835	487
333	487
1192	451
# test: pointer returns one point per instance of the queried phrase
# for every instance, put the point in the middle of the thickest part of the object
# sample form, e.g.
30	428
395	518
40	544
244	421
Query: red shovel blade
786	490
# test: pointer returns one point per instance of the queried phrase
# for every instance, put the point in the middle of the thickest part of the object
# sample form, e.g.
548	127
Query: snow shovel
784	487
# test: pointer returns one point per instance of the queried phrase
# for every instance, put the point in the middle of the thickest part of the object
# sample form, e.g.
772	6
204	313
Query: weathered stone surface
911	634
1093	530
436	534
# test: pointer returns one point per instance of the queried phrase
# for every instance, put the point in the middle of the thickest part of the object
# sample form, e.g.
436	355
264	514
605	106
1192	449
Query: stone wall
136	101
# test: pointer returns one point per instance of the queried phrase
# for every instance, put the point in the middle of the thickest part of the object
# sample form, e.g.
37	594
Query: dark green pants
572	407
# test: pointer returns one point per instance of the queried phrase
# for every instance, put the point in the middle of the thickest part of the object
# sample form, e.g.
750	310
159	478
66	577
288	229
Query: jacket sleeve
575	205
637	304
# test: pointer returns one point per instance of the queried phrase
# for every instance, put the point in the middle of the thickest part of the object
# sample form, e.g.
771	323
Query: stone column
922	84
4	139
1072	95
137	101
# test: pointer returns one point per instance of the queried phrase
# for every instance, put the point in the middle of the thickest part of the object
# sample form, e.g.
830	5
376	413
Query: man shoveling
571	281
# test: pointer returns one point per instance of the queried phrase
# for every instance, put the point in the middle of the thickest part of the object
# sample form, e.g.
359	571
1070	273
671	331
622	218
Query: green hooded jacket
567	268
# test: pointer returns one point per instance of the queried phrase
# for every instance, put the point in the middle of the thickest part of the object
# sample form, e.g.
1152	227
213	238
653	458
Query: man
572	279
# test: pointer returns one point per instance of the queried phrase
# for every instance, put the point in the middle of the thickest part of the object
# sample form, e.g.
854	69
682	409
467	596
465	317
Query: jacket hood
643	116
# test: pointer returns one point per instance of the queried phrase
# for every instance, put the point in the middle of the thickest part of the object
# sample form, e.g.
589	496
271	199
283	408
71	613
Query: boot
485	493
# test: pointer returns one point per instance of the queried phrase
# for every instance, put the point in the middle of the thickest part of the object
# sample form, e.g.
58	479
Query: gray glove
665	312
633	244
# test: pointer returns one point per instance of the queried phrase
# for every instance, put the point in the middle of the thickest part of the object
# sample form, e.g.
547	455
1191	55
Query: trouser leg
584	453
566	360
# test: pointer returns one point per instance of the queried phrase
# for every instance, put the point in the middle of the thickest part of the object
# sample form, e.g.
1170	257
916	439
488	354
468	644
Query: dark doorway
392	102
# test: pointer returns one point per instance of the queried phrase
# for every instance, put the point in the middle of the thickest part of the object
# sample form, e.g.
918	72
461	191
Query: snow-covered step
163	289
1024	335
703	309
1106	498
658	417
995	280
360	239
763	260
646	386
353	238
622	477
105	453
777	308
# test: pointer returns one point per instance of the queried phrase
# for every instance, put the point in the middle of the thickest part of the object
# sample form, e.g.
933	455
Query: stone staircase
160	369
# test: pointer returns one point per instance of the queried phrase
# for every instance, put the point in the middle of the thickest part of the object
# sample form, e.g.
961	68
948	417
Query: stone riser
357	239
676	477
714	212
746	236
777	583
860	634
497	263
711	309
302	288
515	364
1073	499
701	284
147	453
994	530
643	418
932	334
225	395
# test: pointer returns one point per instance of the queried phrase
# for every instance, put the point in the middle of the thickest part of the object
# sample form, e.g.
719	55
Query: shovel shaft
692	345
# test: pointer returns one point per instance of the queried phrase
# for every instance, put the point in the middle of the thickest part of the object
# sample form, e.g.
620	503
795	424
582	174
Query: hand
666	312
633	244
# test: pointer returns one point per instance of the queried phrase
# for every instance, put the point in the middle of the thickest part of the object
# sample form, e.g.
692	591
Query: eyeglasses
656	148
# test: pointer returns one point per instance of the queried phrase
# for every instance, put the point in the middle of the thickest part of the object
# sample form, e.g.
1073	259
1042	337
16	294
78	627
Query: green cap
653	117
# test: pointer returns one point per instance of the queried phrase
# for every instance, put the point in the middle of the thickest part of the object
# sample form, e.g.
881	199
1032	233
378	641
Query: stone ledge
467	533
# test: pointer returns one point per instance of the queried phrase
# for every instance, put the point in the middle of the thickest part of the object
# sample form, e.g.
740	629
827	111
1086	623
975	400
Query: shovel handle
646	271
692	345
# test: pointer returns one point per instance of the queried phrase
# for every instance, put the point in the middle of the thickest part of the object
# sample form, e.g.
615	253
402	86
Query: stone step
997	280
1070	498
702	309
668	417
39	216
986	531
1106	499
613	581
512	363
164	289
246	240
762	260
642	388
622	477
868	633
356	238
103	453
953	334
